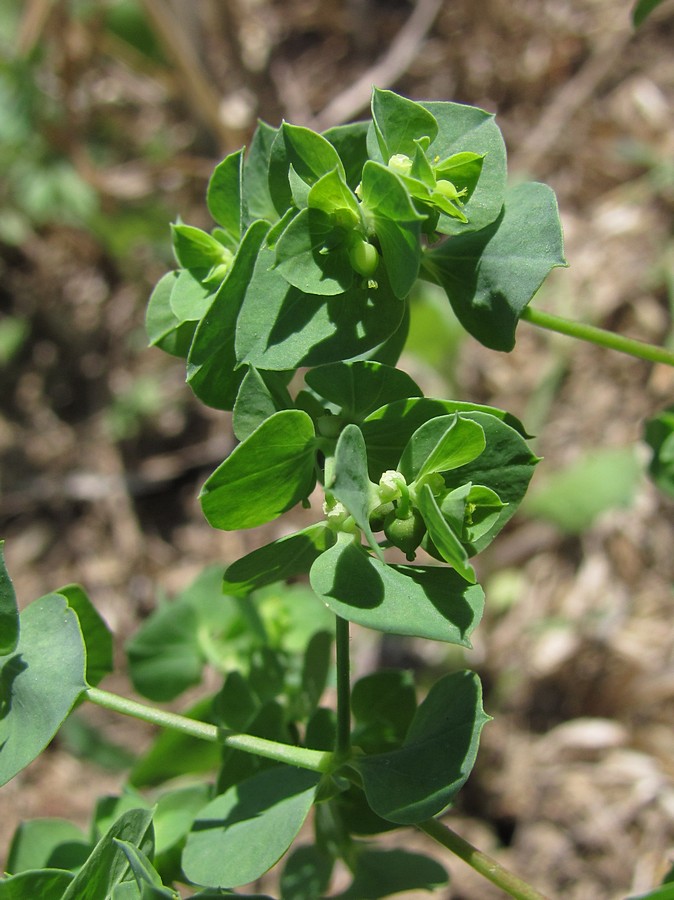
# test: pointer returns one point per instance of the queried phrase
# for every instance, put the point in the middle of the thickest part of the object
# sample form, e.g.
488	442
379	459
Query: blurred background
113	114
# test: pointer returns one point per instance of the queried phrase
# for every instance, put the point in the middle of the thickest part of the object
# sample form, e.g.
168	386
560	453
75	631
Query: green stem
598	336
343	660
481	862
315	760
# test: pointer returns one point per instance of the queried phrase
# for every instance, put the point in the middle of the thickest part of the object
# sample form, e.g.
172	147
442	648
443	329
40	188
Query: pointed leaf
108	866
40	681
242	833
9	612
97	636
399	122
212	359
425	601
421	778
306	259
265	475
446	542
350	484
256	200
196	249
223	196
47	884
190	298
442	444
47	844
260	396
283	559
306	874
164	329
350	141
333	196
490	276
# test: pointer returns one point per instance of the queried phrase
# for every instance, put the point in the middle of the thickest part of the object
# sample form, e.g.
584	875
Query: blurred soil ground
103	450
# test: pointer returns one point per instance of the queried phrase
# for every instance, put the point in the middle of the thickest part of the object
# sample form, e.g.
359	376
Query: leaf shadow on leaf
10	671
451	605
356	579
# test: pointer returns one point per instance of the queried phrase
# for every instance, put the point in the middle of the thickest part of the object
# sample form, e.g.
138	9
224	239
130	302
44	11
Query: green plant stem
598	336
481	862
343	661
316	761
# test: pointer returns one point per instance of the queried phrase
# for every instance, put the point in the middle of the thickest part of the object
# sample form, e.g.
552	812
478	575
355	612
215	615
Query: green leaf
47	844
283	559
260	395
97	636
164	329
307	258
350	141
315	670
235	704
196	249
659	435
441	444
397	225
190	298
640	12
468	129
108	866
399	122
281	328
268	473
490	276
310	154
40	681
174	814
47	884
242	833
421	778
144	872
223	195
333	196
424	601
350	483
383	705
445	540
381	873
269	723
212	359
306	874
664	892
256	200
358	388
573	497
9	612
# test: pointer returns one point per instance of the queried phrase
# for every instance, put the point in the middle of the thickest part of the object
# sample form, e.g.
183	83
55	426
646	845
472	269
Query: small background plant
584	635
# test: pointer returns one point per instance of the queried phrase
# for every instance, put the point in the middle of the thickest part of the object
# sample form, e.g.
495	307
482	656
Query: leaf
306	874
421	778
381	873
9	612
358	388
196	249
47	884
659	435
96	634
40	681
281	328
350	483
640	12
350	141
268	473
212	360
383	705
573	497
283	559
108	866
174	814
223	195
315	670
491	275
256	401
424	601
242	833
144	872
269	722
256	202
397	225
310	154
468	129
445	540
46	844
399	122
164	329
306	259
333	196
190	298
441	444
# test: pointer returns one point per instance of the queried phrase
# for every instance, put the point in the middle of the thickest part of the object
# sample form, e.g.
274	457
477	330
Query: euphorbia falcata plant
292	313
